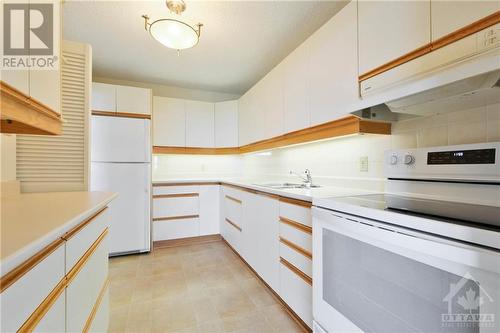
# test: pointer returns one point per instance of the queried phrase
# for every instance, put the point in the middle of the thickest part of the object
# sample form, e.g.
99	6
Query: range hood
468	93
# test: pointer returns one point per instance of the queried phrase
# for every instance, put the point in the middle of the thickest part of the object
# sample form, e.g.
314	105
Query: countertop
31	221
297	193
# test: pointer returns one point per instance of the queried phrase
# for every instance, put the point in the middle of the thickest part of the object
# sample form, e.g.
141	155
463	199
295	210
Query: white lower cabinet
185	211
266	231
66	290
84	289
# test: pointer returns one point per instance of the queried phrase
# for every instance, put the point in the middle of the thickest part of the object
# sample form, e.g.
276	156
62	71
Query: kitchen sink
287	185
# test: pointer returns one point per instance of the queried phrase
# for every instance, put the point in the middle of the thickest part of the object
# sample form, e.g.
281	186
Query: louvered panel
51	163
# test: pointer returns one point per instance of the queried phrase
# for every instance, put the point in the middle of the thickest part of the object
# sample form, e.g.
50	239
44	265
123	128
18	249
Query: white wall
174	92
8	157
336	161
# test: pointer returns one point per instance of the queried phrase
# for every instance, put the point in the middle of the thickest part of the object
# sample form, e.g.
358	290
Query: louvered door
61	163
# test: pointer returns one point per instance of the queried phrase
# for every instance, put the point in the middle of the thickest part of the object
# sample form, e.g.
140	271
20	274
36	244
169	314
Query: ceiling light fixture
173	33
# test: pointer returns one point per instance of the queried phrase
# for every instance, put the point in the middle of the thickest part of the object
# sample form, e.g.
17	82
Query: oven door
375	277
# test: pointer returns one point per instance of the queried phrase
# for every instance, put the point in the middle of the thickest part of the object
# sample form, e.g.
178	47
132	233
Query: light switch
363	164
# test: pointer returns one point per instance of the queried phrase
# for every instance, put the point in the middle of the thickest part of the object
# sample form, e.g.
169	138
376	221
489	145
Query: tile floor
195	288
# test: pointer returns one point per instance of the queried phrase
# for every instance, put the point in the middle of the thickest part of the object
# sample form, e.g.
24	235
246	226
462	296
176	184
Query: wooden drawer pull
170	218
297	271
296	202
233	199
295	247
296	225
233	224
178	195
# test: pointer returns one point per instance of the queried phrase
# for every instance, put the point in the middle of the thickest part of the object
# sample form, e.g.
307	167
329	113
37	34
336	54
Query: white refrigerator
121	162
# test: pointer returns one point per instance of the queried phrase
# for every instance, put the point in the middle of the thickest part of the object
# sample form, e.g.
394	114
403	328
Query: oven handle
433	250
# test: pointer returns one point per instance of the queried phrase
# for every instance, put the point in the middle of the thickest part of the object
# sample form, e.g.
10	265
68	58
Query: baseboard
292	313
186	241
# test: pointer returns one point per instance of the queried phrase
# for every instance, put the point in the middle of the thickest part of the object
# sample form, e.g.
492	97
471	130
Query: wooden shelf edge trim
95	308
68	235
120	114
184	184
233	199
10	278
463	32
73	272
234	224
296	202
290	311
295	247
297	225
171	218
297	271
345	126
22	114
176	195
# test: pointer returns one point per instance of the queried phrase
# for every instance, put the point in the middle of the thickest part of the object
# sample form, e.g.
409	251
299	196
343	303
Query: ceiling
240	42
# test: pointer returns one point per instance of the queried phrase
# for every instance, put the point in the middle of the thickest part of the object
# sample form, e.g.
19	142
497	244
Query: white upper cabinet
295	98
270	98
226	124
169	122
200	124
449	16
244	125
133	100
391	29
333	72
103	97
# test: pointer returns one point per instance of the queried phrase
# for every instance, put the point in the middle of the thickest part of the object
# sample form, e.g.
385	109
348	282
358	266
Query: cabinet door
103	97
449	16
226	124
133	100
19	79
267	234
270	105
200	124
391	29
296	114
333	72
209	210
45	87
169	122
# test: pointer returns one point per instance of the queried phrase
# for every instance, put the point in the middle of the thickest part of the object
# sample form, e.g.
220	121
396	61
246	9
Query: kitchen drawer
297	293
233	235
81	238
176	228
233	209
300	260
296	213
85	285
54	320
176	206
19	300
295	235
100	322
158	190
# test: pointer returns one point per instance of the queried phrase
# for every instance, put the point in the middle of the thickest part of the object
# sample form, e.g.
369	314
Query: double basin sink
278	186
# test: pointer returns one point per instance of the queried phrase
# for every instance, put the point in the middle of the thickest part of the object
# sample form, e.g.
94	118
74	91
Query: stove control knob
409	159
394	159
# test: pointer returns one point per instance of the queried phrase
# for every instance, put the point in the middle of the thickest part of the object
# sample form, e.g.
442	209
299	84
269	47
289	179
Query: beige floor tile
199	288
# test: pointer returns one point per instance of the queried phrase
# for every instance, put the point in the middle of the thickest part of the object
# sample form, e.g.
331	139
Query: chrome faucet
306	177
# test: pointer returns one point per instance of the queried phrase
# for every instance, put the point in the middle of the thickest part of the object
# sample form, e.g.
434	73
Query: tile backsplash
337	161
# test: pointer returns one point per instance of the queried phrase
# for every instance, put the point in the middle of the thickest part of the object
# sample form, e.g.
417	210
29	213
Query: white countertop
297	193
31	221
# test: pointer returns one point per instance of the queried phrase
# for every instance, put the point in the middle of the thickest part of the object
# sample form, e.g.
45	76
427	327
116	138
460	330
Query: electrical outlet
363	164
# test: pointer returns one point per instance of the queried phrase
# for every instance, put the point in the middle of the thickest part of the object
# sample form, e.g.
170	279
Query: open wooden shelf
345	126
21	114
